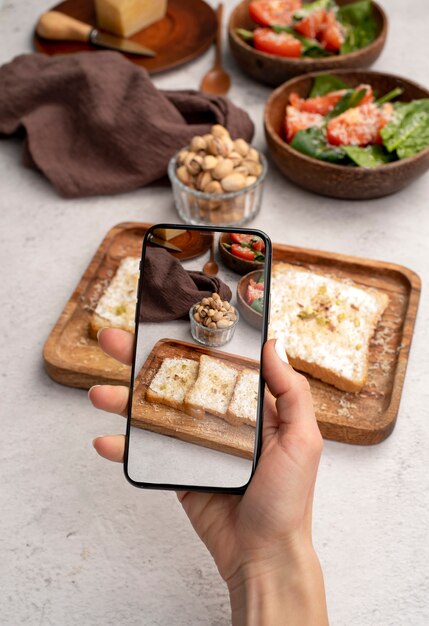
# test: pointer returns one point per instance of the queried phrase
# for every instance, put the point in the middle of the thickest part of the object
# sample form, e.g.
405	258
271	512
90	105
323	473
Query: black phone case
258	433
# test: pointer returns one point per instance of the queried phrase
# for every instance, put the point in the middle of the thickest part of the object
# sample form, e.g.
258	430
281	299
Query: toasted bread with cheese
243	408
172	381
117	306
213	389
325	324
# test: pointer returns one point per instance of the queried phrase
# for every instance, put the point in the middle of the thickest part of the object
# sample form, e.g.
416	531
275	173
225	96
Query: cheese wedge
127	17
168	233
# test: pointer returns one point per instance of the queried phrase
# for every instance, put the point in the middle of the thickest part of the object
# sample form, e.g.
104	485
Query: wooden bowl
251	316
241	266
274	70
341	181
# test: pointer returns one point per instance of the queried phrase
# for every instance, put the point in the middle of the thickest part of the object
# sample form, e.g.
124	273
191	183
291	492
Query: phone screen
196	394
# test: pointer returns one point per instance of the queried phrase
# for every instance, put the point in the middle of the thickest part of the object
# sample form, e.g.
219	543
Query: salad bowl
274	70
337	180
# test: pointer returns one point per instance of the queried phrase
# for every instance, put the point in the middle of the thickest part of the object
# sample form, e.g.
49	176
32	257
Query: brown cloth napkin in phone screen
169	290
96	124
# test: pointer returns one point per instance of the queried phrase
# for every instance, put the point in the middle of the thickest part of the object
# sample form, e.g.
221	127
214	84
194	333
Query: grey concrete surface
81	546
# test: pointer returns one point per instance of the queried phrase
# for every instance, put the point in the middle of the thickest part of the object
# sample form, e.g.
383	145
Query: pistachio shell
233	182
242	147
209	162
213	187
222	169
219	131
198	143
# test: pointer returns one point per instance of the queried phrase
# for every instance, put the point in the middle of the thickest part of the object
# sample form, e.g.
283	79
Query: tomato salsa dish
294	29
246	247
352	126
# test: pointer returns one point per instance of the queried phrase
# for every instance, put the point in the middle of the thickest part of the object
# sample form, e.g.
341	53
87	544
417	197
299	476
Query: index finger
117	343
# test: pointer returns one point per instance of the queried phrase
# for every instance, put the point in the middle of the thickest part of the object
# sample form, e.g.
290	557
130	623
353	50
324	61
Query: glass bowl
222	209
214	337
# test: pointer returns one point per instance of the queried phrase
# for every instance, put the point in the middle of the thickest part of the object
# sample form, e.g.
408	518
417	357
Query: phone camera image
197	391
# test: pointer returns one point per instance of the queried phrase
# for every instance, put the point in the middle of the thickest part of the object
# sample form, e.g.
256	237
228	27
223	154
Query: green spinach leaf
360	25
325	84
313	6
370	156
312	142
390	95
408	131
350	99
246	35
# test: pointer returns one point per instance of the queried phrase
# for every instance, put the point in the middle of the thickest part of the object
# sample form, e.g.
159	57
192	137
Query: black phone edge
258	434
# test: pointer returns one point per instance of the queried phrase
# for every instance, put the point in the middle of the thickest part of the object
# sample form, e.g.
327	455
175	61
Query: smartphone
196	392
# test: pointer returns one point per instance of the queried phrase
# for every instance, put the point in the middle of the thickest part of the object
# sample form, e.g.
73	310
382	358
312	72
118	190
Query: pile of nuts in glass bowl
213	321
217	180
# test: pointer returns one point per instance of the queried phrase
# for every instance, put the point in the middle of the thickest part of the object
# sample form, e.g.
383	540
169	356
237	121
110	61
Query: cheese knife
164	244
59	26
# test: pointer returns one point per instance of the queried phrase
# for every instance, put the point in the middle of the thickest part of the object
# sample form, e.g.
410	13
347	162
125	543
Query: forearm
288	593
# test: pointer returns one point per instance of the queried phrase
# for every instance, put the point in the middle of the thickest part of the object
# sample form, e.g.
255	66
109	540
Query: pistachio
211	312
203	179
219	131
224	323
213	187
211	325
233	182
242	147
182	156
205	301
193	163
222	169
253	155
235	157
250	180
183	175
198	143
253	168
209	162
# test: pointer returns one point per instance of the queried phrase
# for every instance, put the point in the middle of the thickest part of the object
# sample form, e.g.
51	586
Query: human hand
261	541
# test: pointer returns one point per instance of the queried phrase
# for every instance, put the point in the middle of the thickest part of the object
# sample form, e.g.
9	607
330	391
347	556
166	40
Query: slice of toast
243	407
325	323
213	389
117	306
172	381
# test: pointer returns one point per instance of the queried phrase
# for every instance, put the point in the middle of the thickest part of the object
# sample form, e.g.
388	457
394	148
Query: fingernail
93	442
91	388
281	352
100	330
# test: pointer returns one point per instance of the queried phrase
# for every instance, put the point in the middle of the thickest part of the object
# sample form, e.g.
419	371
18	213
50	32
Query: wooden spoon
217	82
211	267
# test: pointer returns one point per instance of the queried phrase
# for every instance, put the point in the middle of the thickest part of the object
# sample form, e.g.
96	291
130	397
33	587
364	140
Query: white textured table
81	546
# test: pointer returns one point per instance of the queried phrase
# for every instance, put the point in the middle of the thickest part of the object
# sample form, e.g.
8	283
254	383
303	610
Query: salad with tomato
293	28
351	126
246	247
255	294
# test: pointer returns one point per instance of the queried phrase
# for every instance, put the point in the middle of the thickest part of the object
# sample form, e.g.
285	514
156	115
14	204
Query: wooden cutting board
73	359
212	432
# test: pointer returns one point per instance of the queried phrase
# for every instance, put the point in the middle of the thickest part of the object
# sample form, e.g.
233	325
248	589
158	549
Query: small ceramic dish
274	70
234	208
341	181
251	316
241	266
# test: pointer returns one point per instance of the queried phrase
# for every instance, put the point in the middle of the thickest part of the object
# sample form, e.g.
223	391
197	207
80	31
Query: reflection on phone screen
196	381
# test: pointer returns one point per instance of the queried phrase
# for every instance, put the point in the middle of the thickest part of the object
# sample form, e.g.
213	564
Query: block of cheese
168	233
127	17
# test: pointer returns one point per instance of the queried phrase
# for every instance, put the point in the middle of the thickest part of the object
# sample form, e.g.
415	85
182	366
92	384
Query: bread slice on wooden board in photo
243	407
325	323
213	389
172	381
117	306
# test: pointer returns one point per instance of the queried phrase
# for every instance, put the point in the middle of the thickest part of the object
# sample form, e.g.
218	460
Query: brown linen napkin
169	290
96	124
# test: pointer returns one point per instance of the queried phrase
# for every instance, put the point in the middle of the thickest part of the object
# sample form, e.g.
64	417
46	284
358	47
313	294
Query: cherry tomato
300	120
324	104
241	238
332	36
273	12
243	253
358	126
280	44
311	25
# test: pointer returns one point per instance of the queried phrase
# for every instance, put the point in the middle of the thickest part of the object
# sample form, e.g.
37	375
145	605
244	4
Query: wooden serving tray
73	359
211	432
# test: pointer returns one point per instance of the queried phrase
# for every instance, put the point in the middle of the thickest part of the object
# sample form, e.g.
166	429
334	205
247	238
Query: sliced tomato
280	44
243	253
332	36
273	12
386	114
324	104
359	126
241	238
255	291
311	25
258	244
300	120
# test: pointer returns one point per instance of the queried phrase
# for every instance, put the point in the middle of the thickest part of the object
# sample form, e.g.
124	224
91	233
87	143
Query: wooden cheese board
212	432
73	359
186	31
